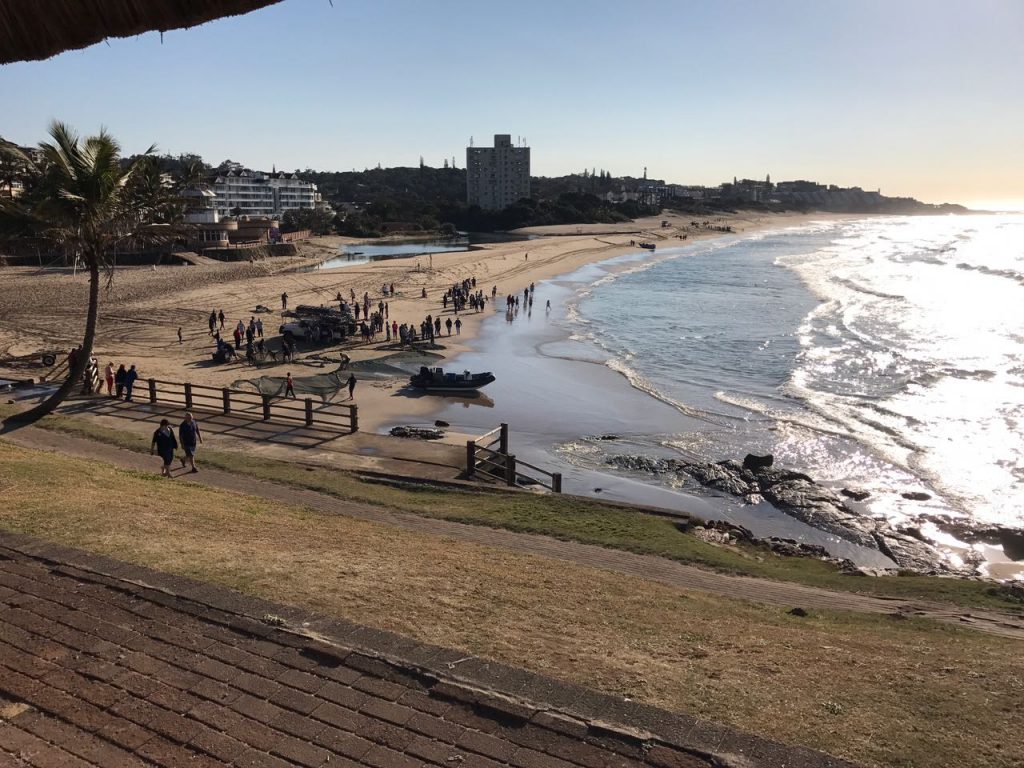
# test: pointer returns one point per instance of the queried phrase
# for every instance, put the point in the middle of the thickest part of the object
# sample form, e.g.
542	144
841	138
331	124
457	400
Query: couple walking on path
164	443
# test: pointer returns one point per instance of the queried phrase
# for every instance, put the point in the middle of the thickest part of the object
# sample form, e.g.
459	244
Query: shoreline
547	424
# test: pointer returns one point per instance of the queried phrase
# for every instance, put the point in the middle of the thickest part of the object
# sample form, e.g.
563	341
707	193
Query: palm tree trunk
74	378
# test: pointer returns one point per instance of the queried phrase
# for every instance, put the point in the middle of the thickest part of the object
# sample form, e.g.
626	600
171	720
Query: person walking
289	386
129	382
284	301
448	325
213	321
351	385
189	435
458	326
259	327
179	334
220	316
108	375
164	444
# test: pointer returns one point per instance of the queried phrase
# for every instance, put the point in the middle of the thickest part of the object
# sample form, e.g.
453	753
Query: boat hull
438	381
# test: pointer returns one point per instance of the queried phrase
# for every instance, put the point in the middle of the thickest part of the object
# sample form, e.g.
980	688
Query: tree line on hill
433	199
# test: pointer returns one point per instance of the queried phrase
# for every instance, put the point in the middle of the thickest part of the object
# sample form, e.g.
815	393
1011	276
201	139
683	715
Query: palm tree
88	203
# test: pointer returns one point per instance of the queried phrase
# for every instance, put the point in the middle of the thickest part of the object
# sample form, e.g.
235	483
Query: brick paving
107	664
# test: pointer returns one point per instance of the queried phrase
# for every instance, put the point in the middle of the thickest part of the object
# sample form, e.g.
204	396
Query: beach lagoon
363	253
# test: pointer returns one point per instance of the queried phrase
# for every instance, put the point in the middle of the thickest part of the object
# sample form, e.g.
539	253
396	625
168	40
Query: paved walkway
786	594
106	664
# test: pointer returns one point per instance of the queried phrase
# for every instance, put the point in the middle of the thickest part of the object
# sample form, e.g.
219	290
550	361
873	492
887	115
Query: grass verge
567	517
868	688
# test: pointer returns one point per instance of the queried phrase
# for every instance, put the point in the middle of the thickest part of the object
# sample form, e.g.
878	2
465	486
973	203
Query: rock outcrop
800	497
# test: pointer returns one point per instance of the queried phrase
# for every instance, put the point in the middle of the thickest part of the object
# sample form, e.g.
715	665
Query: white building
497	176
205	227
253	193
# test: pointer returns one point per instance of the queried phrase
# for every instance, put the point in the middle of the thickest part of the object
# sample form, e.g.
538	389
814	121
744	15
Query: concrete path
663	570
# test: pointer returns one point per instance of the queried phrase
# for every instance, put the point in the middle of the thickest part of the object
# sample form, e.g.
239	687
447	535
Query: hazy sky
917	97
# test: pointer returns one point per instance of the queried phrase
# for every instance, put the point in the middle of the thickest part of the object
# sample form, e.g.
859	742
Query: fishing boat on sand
436	380
648	246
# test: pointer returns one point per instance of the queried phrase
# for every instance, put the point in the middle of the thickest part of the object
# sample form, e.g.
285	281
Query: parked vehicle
318	324
313	330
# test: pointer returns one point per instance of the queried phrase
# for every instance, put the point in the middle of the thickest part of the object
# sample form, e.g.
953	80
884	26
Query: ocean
883	354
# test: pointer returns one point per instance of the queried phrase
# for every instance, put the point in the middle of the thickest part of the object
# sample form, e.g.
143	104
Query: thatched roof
38	29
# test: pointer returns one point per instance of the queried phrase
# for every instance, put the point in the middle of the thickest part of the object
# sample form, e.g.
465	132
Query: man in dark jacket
189	435
129	382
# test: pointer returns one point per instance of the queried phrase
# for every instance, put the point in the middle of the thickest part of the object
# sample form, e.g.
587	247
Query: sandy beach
143	307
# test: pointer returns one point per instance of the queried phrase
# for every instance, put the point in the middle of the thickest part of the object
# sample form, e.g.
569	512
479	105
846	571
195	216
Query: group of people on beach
465	294
252	332
512	300
120	382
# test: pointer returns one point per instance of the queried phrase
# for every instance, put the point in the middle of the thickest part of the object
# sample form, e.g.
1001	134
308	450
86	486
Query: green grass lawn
568	517
882	692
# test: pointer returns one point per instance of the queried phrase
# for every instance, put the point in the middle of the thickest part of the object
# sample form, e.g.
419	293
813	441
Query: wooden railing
332	417
59	371
91	381
483	458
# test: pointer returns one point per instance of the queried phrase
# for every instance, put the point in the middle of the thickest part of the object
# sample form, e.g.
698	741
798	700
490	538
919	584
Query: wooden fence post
266	407
353	412
470	458
510	470
226	395
503	439
556	482
152	390
188	396
309	412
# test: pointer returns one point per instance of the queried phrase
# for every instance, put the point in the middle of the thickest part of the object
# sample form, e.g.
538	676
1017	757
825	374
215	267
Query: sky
923	98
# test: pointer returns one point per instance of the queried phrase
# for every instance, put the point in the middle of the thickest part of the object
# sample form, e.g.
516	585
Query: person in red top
289	386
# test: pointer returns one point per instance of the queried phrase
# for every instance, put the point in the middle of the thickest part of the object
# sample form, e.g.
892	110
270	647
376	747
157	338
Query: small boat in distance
648	246
436	380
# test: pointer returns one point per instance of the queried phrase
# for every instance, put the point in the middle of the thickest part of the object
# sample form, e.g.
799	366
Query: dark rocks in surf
419	433
916	495
724	532
1010	540
800	497
855	493
754	462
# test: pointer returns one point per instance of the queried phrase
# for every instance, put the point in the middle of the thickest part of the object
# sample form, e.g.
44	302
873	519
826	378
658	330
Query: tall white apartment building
253	193
497	176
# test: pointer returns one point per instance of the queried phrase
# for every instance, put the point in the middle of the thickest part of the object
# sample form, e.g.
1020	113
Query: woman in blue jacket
164	444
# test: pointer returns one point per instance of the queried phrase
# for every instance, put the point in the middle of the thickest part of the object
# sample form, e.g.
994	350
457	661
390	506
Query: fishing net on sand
322	385
398	365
